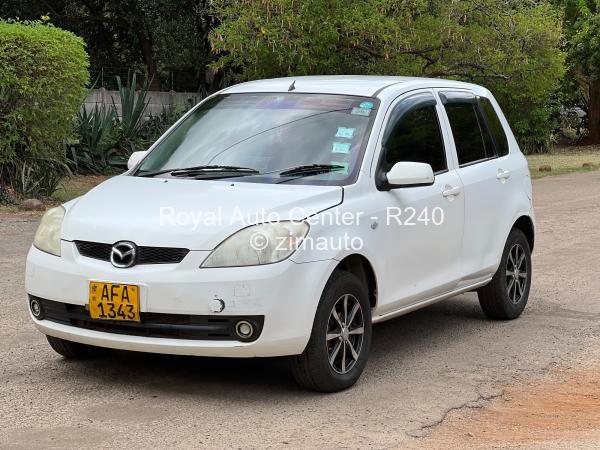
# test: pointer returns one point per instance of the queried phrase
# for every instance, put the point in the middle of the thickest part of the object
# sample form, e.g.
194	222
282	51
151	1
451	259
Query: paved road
423	365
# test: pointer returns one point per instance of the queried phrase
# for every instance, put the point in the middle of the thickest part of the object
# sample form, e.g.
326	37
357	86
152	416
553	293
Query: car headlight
264	243
47	236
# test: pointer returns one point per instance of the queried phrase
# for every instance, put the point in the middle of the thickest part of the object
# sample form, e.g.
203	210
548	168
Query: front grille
158	325
94	250
145	255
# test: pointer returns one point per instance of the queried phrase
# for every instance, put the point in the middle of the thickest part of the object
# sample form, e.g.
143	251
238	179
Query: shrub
106	135
95	130
43	74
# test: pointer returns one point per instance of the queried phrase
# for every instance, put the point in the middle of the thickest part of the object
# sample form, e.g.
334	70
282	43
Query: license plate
112	301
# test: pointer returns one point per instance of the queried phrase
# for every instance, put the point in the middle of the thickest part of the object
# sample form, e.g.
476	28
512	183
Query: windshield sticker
366	105
347	133
345	170
361	112
341	147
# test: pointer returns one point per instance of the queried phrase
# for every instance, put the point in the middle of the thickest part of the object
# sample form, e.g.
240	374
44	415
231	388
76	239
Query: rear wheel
75	350
505	297
339	345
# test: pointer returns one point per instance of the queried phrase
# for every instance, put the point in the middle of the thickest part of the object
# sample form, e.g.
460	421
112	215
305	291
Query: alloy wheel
516	273
345	332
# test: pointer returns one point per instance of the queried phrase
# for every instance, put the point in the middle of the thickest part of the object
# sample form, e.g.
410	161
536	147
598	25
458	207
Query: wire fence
178	81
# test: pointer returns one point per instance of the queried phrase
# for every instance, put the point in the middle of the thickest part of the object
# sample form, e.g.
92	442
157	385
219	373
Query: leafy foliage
133	106
153	36
39	177
582	84
510	46
582	29
43	73
91	154
107	135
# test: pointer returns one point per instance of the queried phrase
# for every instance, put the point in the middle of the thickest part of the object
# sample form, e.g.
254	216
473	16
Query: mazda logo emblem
123	254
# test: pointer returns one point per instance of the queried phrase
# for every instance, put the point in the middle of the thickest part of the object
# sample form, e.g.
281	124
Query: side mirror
135	158
408	173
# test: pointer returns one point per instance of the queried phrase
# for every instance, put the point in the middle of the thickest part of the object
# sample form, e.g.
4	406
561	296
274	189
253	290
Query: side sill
427	302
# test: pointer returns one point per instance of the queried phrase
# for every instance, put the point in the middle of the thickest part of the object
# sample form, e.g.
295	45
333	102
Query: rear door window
471	137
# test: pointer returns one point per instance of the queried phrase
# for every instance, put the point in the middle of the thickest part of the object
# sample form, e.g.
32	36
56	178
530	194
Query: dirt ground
442	377
561	410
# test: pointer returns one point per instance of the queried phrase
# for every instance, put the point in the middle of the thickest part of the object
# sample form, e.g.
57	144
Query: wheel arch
362	268
525	224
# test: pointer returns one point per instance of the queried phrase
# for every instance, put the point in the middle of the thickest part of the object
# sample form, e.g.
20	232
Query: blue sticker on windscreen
341	147
366	105
347	133
361	112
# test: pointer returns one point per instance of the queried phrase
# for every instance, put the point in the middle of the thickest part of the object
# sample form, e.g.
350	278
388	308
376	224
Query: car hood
193	214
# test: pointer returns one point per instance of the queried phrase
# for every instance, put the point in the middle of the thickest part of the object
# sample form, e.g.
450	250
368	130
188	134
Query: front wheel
339	345
505	297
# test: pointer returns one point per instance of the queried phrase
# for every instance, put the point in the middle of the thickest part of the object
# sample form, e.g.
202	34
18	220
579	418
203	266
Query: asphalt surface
442	359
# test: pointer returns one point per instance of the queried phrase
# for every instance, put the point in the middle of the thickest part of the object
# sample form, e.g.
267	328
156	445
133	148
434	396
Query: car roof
362	85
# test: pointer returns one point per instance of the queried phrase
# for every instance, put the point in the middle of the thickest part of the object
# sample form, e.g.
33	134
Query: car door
485	171
422	235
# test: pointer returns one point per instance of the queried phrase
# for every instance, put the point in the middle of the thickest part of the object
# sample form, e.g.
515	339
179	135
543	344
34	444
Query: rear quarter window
495	126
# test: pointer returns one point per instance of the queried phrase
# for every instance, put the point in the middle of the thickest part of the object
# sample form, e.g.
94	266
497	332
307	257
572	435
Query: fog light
36	308
244	329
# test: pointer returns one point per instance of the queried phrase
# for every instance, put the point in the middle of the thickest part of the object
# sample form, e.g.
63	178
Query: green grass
76	186
565	160
69	189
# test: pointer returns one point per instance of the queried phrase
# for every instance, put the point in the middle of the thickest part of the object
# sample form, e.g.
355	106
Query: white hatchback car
284	217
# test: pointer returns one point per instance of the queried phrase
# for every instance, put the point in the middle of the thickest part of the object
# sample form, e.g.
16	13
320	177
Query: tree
582	30
510	46
154	36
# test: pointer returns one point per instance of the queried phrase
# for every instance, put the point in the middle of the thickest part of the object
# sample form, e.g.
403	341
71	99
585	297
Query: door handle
450	191
503	174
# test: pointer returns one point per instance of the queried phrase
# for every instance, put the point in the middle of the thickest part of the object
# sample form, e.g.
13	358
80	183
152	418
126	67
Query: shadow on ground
394	340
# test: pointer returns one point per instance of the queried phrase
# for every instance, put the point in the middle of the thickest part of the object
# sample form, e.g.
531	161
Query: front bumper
285	293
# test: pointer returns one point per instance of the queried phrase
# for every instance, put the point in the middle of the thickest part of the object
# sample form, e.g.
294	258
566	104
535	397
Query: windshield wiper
213	170
310	170
202	170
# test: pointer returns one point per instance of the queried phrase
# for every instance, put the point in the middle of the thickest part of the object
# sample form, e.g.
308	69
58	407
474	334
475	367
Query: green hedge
43	78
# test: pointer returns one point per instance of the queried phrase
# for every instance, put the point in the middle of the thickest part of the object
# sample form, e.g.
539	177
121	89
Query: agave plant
96	128
130	121
96	131
40	176
133	107
108	135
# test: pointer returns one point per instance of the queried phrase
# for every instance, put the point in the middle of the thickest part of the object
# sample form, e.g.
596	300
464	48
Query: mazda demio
284	217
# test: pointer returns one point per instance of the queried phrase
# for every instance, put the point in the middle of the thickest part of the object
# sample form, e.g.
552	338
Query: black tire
75	350
312	369
498	299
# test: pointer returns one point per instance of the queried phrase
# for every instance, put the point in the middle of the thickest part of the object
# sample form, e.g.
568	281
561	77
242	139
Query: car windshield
271	134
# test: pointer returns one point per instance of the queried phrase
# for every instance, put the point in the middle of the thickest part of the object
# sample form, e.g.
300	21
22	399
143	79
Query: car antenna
292	86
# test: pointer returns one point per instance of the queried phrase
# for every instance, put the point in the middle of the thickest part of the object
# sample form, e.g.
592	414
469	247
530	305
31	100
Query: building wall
157	101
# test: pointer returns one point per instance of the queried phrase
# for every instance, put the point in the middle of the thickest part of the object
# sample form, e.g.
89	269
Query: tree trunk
593	137
148	53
